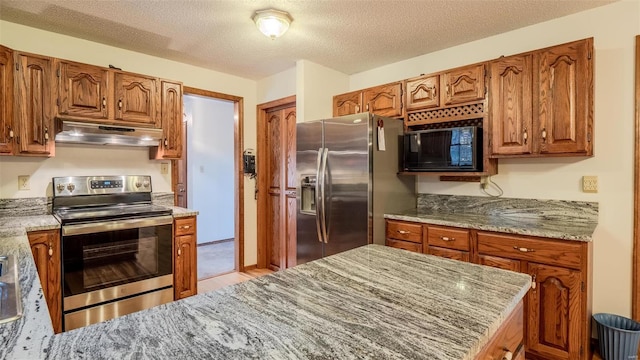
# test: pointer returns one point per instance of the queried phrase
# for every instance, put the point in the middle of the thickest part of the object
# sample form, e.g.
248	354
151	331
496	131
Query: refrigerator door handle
318	200
323	200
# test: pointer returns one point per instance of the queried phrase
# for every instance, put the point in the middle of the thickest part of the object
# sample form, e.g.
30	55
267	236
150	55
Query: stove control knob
138	184
146	184
71	187
60	187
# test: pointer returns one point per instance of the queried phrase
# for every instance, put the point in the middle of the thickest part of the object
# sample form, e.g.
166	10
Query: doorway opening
209	180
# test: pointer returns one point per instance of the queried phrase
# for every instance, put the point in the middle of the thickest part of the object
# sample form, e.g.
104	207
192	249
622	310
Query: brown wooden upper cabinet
171	119
33	115
463	85
542	102
135	99
384	100
347	104
423	92
83	90
6	101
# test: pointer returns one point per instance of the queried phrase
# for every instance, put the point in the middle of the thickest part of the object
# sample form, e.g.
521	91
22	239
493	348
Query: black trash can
618	336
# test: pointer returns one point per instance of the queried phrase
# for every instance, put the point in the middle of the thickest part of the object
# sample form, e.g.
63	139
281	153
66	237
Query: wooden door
423	92
281	167
82	90
347	104
463	85
45	247
384	100
171	115
186	278
511	109
135	100
6	101
565	95
554	323
179	176
32	106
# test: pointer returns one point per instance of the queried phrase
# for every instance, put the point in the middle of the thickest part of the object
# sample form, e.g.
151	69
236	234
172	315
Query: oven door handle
98	227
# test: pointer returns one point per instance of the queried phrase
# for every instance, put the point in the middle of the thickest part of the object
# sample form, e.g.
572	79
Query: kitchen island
370	302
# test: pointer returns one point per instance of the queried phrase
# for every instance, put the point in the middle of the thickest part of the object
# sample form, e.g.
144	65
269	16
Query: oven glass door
103	255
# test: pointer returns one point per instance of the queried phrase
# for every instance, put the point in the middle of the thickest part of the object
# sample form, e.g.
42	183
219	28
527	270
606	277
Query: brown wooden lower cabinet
406	245
507	342
45	247
557	307
185	267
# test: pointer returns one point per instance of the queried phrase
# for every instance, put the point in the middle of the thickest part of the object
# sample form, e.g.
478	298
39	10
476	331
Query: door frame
262	181
635	291
238	144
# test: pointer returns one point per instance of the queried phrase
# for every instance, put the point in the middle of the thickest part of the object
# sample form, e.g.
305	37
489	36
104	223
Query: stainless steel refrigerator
347	179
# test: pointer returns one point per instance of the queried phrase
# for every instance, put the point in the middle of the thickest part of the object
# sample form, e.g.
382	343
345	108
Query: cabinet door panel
511	109
82	90
135	100
171	118
565	91
554	312
347	104
186	277
33	104
463	85
45	247
384	100
423	93
6	101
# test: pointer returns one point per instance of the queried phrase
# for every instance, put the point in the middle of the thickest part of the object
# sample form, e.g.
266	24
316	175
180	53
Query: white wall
94	160
315	87
614	28
277	86
210	163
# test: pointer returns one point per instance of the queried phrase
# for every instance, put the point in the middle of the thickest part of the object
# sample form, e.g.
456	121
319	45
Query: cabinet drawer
406	245
404	231
553	252
185	226
449	254
448	238
508	339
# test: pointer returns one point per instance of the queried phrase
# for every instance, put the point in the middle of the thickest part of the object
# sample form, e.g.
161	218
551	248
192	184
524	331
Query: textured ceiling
347	35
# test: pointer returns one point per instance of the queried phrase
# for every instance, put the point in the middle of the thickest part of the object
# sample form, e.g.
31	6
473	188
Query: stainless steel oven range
116	247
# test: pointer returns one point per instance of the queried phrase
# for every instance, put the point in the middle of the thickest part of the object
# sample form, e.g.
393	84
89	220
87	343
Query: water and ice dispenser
308	198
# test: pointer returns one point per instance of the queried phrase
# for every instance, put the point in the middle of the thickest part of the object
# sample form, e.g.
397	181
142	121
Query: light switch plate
23	182
164	168
590	184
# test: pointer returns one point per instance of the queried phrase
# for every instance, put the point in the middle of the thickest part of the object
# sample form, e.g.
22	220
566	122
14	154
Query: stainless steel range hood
100	134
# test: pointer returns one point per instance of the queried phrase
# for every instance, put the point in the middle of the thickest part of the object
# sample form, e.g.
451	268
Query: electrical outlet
164	168
590	184
23	182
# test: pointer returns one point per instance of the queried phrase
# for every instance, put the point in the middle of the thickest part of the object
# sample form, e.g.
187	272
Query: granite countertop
179	212
555	229
370	302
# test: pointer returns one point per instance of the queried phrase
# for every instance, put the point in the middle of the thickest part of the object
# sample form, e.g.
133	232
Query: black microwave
448	149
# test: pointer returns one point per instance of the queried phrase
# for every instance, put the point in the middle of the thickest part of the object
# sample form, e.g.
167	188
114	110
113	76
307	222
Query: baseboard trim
250	267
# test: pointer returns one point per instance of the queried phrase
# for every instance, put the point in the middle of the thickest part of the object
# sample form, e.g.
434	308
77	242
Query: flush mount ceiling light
272	23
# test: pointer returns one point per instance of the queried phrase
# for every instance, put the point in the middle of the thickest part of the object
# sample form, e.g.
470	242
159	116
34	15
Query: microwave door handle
317	195
323	196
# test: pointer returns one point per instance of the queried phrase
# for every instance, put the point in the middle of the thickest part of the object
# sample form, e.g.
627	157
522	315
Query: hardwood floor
221	281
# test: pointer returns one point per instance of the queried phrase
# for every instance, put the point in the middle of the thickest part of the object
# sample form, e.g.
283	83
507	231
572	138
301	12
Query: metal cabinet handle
179	252
357	109
523	249
404	232
46	134
508	355
120	104
10	133
50	250
448	90
104	102
367	107
446	238
166	142
186	226
544	134
525	135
